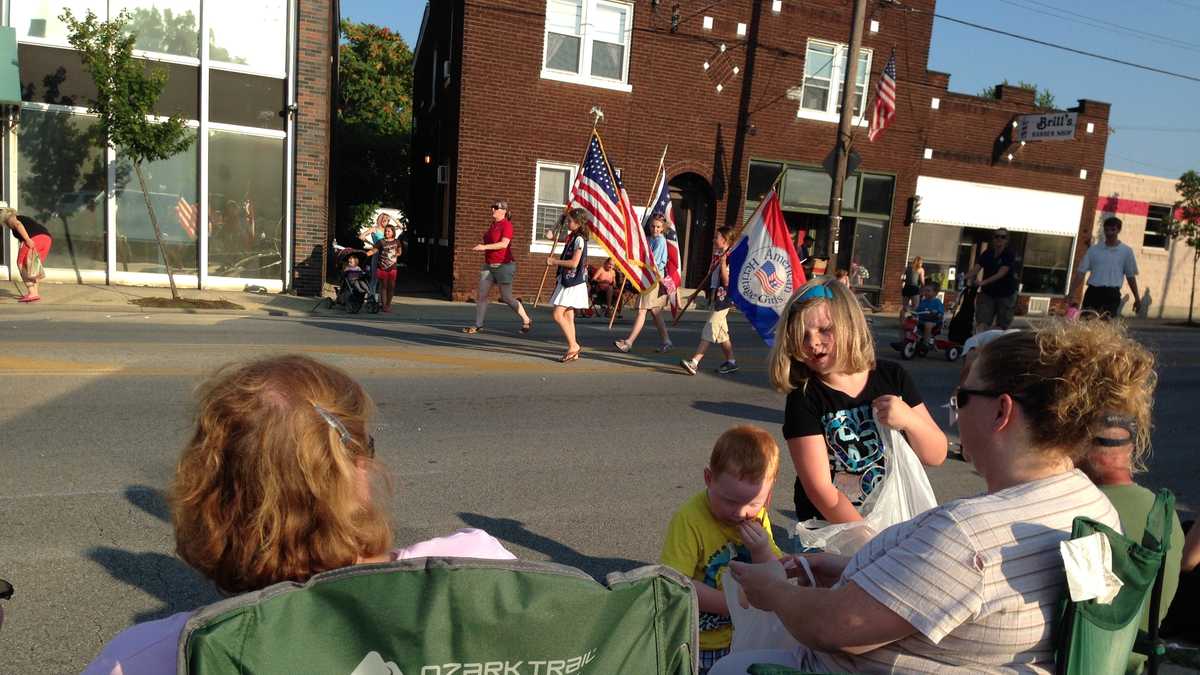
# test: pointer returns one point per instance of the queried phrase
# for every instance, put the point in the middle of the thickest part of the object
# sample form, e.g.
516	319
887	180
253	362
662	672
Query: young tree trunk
1192	301
162	249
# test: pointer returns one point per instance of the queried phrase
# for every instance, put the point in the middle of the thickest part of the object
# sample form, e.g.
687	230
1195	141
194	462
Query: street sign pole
841	150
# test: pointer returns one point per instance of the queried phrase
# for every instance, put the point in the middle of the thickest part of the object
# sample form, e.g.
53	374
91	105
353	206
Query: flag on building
885	100
764	269
662	204
598	190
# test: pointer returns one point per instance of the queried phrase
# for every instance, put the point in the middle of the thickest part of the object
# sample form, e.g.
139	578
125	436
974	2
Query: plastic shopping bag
33	266
753	628
904	493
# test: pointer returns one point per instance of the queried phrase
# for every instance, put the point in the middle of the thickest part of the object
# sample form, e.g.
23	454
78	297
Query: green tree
374	120
1187	225
126	91
1042	98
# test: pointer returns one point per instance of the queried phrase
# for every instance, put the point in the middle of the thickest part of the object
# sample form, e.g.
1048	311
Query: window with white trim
551	191
824	72
1156	234
587	41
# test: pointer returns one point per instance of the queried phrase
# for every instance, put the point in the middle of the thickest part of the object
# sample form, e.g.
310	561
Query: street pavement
578	463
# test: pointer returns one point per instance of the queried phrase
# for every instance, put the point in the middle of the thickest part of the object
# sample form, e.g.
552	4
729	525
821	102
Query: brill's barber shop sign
1050	127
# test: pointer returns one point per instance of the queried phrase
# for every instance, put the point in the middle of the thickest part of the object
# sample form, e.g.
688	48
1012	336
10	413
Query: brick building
1144	204
740	91
257	93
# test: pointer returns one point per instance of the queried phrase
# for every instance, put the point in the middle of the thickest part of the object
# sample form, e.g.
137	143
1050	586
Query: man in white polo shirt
1110	263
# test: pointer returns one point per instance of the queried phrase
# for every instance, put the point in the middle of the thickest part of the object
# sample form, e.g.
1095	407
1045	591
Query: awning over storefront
966	204
10	74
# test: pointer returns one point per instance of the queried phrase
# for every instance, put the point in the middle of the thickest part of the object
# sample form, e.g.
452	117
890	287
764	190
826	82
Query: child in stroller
354	293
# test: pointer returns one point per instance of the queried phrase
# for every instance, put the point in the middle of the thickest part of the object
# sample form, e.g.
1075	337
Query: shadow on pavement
515	532
744	411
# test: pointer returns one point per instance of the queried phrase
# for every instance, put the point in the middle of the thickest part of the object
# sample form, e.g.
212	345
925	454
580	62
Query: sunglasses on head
344	433
496	207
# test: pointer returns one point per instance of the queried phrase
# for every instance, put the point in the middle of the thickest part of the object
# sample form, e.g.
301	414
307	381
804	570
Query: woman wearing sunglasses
498	269
278	482
973	585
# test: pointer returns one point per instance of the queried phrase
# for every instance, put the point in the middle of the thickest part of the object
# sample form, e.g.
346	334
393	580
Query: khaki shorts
999	310
716	330
650	299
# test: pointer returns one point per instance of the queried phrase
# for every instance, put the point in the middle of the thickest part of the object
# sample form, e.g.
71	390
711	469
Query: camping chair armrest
1147	646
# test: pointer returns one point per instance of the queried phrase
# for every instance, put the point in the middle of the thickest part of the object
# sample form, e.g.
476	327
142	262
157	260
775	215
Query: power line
1161	71
1174	130
1099	24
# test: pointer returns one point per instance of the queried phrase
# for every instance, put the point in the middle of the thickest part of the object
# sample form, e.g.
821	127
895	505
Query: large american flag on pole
885	100
598	190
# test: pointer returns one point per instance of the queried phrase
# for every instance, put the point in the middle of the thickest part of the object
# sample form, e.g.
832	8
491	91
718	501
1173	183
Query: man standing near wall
1108	263
998	288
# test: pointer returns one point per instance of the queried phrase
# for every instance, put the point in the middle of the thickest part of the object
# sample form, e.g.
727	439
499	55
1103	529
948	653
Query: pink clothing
151	648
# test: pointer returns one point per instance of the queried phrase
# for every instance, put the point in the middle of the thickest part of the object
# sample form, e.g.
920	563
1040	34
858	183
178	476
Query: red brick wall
313	82
511	118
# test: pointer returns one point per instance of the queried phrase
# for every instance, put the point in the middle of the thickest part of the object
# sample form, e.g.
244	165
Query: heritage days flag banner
764	269
615	226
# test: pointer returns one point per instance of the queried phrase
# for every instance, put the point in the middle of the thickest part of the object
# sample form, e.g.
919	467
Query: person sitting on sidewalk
604	285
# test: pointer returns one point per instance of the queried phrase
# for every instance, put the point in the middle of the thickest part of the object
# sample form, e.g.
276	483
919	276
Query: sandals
471	330
570	356
527	326
30	298
622	346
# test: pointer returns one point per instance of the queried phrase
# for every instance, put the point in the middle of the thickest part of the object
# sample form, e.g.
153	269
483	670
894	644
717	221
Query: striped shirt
979	578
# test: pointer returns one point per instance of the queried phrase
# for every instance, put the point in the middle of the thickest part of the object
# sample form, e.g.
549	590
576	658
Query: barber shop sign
1050	127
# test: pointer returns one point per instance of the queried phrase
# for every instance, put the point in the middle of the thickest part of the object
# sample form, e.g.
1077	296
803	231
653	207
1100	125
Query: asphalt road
580	463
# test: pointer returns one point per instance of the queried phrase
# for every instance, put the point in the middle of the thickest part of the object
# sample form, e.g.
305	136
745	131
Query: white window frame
584	75
538	243
1146	230
836	79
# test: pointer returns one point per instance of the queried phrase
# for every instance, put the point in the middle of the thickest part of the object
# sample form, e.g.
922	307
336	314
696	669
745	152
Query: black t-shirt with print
851	436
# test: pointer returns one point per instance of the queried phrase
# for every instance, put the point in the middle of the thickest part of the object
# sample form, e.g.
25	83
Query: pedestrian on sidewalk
997	297
389	250
498	269
1105	265
33	236
654	299
571	293
716	329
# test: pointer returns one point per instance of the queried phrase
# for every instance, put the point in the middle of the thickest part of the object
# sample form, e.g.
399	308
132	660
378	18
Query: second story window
824	72
1157	234
587	41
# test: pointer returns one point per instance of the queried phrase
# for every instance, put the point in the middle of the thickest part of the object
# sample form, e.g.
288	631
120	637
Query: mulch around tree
184	303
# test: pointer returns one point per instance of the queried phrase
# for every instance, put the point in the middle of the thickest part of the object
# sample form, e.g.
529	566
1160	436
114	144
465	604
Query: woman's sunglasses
344	433
962	396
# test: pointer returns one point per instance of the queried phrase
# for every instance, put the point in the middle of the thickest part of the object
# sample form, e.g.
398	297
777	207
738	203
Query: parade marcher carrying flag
598	191
673	280
764	269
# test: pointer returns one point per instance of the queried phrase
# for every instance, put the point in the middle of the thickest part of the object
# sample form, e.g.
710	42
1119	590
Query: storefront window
164	26
60	183
762	177
1045	264
38	19
870	239
172	186
53	75
246	100
806	187
246	205
938	246
249	34
877	194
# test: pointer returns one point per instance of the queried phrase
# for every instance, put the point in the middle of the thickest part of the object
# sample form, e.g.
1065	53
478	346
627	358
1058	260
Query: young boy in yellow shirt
725	521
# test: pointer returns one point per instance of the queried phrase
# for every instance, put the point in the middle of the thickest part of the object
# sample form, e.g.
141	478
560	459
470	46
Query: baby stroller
355	292
958	329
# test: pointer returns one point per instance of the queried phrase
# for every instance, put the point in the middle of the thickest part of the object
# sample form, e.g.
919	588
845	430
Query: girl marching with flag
572	290
653	300
716	329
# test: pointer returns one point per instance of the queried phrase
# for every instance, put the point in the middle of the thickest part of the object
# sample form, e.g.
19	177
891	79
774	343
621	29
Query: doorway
695	212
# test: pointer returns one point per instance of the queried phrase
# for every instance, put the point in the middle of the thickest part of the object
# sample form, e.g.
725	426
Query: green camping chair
452	616
1095	639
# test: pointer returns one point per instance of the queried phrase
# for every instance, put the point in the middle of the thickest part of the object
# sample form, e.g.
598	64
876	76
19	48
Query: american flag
598	190
768	275
662	204
885	100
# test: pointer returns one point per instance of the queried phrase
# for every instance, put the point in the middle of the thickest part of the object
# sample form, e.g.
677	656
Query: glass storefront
948	252
65	176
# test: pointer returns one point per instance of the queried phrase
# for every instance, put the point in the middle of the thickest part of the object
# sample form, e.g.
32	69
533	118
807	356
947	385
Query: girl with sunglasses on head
498	269
824	360
571	293
278	482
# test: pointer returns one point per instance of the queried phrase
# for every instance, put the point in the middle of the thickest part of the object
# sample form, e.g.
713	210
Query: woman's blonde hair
854	344
917	263
1068	376
268	488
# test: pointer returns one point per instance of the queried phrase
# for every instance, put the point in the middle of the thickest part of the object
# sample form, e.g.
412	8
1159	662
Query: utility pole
841	149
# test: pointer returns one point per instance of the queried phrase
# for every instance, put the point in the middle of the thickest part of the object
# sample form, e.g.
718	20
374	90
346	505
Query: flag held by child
673	280
885	100
764	269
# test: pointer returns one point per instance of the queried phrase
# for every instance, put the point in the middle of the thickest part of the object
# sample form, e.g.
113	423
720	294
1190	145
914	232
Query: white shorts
716	329
571	296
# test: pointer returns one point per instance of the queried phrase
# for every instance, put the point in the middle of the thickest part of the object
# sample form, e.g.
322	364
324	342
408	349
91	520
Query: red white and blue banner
764	269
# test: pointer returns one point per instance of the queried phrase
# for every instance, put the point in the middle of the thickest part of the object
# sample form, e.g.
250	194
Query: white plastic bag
753	628
904	493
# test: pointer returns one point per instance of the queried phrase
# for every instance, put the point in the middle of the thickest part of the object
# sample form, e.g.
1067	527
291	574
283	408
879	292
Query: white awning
965	204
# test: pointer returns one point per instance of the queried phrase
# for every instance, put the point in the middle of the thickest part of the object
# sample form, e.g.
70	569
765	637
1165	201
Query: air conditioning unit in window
1038	307
443	174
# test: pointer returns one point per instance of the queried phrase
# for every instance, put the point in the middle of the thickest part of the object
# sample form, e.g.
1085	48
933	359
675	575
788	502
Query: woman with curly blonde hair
278	483
974	585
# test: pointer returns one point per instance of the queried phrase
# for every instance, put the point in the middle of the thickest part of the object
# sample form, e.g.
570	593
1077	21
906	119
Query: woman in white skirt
572	290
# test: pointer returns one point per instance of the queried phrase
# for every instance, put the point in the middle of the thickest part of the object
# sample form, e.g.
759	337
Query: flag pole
597	115
713	266
620	296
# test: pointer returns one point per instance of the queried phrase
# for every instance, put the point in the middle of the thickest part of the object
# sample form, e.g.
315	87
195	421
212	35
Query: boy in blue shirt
929	312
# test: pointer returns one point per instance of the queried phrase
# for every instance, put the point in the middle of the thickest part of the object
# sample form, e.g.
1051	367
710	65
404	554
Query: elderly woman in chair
974	584
297	492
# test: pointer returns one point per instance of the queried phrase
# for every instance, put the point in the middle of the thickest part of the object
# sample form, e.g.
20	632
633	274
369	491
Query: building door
695	213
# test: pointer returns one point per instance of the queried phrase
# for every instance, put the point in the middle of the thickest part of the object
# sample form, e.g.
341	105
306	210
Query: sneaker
622	346
688	365
665	347
727	368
